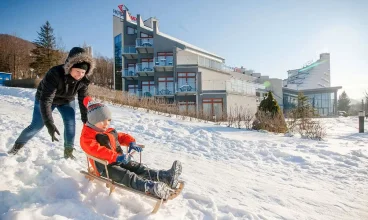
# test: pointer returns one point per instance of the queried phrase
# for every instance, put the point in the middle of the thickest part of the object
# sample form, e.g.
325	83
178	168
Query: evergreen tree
45	54
269	104
304	108
344	102
269	116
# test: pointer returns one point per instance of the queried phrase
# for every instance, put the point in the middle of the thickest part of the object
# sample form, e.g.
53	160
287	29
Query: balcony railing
164	91
130	72
129	50
185	88
232	86
142	67
148	93
205	62
144	42
163	61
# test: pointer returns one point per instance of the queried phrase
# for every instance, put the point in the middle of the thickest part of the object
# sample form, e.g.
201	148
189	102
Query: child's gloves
123	159
134	146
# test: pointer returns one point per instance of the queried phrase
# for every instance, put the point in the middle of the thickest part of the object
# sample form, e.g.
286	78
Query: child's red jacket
90	143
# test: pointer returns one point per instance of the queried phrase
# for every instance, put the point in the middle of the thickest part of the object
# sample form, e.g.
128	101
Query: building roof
190	45
308	91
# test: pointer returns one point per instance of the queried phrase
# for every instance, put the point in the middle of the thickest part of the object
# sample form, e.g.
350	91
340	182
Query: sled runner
90	174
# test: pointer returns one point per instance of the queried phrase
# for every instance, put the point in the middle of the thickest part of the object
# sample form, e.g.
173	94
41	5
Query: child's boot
158	189
171	176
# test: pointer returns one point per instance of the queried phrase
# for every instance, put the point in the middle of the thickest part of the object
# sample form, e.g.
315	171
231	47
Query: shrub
269	116
300	120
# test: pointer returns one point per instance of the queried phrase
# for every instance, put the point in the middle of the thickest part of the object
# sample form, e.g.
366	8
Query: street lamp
361	121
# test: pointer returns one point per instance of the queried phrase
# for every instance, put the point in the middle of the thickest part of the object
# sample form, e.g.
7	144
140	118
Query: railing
129	49
165	91
144	67
232	86
205	62
147	93
185	88
144	42
163	62
130	72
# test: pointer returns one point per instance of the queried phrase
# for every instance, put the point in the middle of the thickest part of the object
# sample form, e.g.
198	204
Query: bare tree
15	56
103	74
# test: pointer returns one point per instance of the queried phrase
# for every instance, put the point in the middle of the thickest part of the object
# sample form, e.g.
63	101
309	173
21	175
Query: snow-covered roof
180	41
189	45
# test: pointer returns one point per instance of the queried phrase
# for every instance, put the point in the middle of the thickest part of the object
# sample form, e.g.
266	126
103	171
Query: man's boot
16	147
68	153
158	189
171	176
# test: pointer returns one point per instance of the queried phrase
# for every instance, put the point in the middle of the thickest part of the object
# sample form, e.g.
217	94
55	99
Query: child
100	141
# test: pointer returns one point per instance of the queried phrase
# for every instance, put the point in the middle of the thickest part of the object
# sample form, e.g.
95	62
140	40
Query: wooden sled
91	175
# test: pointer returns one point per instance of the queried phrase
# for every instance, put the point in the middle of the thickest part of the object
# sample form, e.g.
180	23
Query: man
58	90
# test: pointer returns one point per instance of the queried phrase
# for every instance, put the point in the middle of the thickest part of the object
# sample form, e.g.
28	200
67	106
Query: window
165	86
147	64
165	59
133	89
118	55
143	35
148	88
131	69
187	107
186	82
212	107
131	31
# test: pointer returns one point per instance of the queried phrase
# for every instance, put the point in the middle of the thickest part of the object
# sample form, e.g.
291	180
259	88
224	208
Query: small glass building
323	100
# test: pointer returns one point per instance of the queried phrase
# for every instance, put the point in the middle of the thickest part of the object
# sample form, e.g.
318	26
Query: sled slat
157	206
104	180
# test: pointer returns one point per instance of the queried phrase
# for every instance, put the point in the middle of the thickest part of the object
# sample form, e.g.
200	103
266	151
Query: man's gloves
134	146
52	130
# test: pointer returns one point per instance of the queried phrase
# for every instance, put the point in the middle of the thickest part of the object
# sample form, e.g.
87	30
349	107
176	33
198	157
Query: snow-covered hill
229	173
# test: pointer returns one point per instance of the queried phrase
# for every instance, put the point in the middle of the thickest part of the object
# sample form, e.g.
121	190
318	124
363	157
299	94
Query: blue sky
269	36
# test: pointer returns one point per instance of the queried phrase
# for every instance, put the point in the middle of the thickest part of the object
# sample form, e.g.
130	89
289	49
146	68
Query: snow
229	173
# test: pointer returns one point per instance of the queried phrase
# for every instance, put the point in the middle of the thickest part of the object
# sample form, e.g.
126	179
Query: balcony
144	45
164	64
144	69
130	74
130	52
147	93
186	89
165	92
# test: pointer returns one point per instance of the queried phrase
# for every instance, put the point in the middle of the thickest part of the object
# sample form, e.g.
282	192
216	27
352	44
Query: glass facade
186	82
187	107
133	90
165	86
118	61
323	103
148	88
213	107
